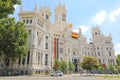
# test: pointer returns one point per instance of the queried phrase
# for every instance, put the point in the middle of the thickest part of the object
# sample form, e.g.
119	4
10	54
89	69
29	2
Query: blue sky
85	14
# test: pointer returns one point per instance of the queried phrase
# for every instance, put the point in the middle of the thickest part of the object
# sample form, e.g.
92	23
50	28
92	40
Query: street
66	77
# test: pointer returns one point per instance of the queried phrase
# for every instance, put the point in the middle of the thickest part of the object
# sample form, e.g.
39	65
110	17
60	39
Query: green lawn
111	76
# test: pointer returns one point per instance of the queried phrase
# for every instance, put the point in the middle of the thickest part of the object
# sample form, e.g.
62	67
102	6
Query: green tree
118	67
89	63
7	7
63	66
70	66
111	67
56	65
13	39
118	59
100	69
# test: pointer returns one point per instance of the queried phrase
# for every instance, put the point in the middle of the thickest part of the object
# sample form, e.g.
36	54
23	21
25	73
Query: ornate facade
49	41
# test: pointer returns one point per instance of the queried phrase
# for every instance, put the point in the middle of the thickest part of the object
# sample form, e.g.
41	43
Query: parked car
56	73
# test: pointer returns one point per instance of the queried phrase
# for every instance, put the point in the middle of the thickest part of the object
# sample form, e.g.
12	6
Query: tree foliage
89	63
13	38
118	59
7	7
63	66
111	67
56	65
70	66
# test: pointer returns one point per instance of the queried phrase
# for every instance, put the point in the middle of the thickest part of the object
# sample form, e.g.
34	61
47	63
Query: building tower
96	33
60	13
45	12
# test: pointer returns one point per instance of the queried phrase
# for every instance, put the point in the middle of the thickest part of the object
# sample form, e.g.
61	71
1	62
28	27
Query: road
72	77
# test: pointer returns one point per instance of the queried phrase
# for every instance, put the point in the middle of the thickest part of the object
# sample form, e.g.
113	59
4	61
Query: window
61	51
23	62
47	17
27	21
63	17
95	33
109	53
100	61
46	37
37	33
24	21
8	61
31	21
19	60
28	57
106	48
46	46
46	59
97	47
38	58
74	53
29	31
98	53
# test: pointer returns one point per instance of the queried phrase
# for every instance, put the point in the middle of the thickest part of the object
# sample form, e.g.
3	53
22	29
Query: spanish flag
74	35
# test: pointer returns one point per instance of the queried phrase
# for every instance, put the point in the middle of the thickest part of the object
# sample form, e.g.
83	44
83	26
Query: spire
80	30
35	8
59	2
110	34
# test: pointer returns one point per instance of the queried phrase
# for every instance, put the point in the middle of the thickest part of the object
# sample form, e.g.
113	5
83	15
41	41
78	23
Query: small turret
36	9
80	31
45	12
96	31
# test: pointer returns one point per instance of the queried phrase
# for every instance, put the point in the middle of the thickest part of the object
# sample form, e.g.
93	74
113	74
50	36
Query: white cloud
83	28
99	17
117	49
114	14
16	6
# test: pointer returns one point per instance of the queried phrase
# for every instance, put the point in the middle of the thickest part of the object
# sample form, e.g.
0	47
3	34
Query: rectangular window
61	50
46	59
29	31
47	17
46	46
109	53
19	60
98	53
28	57
63	17
30	21
27	21
23	62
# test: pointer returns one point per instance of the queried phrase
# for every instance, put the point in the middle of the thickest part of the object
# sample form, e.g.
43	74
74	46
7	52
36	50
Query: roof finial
36	9
59	2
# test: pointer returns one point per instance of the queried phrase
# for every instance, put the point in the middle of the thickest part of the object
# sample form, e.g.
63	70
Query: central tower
60	13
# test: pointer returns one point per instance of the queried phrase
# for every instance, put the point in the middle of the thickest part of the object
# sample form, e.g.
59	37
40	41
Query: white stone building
49	41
